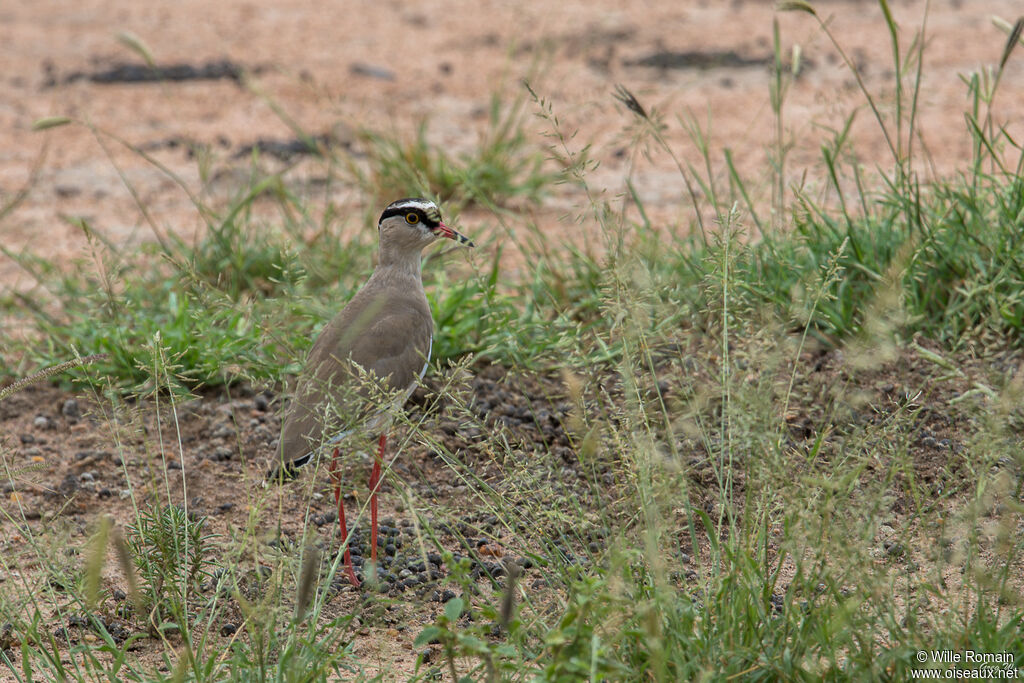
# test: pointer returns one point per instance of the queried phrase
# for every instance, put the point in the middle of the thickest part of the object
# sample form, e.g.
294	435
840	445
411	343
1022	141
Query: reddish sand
321	64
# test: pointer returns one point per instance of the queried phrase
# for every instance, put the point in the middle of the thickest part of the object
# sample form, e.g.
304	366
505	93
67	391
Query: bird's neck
397	264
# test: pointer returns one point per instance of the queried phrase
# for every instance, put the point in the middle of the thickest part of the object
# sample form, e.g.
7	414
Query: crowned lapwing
378	345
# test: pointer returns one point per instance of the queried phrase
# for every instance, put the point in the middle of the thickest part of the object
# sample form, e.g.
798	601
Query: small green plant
172	554
574	647
470	642
501	168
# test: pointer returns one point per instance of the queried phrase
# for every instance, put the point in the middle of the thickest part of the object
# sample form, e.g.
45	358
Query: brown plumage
386	330
378	345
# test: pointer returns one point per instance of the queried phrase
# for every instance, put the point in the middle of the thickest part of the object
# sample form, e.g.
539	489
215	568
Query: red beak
444	231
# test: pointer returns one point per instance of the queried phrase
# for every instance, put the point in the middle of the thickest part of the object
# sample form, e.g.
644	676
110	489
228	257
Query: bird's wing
333	398
395	350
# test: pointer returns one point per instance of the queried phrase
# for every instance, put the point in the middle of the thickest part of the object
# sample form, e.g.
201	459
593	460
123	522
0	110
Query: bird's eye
412	218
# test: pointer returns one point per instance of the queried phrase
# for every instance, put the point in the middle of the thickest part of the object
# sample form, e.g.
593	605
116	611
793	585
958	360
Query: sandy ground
389	65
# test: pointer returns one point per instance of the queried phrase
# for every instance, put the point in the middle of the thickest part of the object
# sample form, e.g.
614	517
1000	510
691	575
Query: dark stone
118	632
123	72
325	518
894	548
70	409
220	454
285	150
371	71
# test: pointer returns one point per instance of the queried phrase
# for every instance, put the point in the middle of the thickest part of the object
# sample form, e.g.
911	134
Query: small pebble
70	409
223	431
371	71
893	548
220	454
118	632
325	518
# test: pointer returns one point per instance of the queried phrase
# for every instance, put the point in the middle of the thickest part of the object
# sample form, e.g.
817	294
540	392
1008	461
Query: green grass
692	530
502	168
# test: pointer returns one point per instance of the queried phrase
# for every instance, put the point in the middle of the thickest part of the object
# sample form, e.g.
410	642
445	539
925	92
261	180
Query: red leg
374	484
336	479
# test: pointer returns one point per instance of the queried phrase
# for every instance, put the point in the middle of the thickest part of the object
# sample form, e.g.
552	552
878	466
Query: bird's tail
285	471
282	472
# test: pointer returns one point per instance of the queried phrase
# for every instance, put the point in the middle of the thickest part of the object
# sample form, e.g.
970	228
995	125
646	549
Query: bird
367	360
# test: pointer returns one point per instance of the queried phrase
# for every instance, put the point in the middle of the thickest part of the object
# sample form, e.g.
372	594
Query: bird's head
411	224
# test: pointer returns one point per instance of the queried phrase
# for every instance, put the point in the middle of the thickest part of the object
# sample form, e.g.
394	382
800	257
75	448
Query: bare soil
339	67
76	456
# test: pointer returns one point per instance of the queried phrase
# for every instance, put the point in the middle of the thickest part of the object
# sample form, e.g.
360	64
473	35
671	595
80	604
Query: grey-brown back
386	329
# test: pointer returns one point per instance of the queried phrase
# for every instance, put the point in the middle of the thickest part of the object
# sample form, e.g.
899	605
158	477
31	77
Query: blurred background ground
338	68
